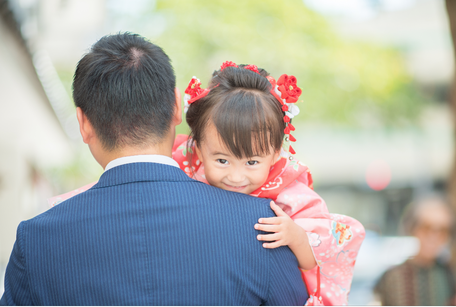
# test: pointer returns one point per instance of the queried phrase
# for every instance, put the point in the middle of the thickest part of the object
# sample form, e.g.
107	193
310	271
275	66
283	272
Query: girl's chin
240	189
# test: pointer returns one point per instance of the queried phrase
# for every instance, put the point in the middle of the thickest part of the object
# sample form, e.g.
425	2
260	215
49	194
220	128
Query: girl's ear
276	157
198	151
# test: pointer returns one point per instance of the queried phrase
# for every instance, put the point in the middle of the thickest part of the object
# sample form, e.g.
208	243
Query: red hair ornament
287	93
287	86
193	92
253	68
228	64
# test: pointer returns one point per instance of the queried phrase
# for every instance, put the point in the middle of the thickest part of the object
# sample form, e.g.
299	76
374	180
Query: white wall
31	139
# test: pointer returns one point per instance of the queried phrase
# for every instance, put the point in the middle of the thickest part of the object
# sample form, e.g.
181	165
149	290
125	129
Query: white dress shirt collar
142	158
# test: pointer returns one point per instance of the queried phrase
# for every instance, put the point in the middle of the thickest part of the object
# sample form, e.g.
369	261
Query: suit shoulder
233	198
211	190
56	212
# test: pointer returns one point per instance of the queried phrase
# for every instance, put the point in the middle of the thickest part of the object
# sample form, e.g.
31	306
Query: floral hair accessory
253	68
287	93
287	86
228	64
193	92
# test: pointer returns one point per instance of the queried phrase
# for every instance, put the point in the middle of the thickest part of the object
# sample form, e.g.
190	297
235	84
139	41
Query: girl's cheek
220	165
264	173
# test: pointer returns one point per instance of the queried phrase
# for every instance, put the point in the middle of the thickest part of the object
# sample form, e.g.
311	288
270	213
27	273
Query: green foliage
342	81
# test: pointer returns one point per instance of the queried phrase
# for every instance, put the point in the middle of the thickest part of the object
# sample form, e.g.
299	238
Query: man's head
125	88
430	220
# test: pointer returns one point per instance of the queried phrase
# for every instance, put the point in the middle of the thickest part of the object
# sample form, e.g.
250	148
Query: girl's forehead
212	139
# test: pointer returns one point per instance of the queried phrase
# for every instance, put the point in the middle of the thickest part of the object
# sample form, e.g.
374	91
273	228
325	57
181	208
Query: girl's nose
236	177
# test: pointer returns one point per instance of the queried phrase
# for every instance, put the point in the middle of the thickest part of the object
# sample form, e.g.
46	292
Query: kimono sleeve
335	240
335	243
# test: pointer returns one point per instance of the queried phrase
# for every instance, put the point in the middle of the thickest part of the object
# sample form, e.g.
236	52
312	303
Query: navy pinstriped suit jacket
146	234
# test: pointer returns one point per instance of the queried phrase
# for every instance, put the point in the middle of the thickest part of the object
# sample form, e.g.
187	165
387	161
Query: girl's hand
285	231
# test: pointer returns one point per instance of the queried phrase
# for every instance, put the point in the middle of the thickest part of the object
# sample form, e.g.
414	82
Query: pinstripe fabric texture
146	234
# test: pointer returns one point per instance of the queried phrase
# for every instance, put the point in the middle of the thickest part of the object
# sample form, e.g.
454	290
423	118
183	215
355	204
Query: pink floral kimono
335	239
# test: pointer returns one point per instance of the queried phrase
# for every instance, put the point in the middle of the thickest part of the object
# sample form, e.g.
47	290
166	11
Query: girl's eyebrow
220	153
227	155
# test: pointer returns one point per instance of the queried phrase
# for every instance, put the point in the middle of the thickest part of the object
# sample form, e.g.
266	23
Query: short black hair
248	118
125	86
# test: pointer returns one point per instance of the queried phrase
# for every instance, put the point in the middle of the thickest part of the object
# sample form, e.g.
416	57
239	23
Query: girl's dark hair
248	118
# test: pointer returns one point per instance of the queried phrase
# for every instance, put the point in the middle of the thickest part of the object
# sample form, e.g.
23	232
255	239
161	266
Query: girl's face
224	170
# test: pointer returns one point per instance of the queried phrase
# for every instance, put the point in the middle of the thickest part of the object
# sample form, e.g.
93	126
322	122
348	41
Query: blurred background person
426	278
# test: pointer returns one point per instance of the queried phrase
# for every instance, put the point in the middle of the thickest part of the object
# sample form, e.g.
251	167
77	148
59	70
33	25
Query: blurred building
372	174
37	125
419	28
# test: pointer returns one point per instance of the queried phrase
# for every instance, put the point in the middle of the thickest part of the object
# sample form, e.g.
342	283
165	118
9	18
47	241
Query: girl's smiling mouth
236	188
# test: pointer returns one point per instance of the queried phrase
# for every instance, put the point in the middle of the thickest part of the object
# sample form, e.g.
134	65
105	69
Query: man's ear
85	127
177	118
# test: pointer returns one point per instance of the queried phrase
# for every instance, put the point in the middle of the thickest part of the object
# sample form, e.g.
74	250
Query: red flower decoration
194	88
201	94
287	86
228	64
291	150
272	81
253	68
290	93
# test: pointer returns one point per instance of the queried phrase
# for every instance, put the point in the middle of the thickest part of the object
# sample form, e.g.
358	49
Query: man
426	279
145	234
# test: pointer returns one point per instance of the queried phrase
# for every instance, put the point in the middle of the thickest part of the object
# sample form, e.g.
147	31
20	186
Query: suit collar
142	171
141	158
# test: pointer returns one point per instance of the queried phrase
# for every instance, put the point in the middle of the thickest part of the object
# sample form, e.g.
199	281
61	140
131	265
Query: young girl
238	127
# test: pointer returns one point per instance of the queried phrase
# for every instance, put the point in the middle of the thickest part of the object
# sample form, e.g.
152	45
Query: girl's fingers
272	245
277	210
270	220
269	237
267	228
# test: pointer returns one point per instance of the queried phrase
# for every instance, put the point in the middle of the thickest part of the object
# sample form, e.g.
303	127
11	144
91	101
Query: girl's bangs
248	125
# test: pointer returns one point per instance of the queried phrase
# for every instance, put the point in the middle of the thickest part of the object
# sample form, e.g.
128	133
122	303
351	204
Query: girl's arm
286	232
334	239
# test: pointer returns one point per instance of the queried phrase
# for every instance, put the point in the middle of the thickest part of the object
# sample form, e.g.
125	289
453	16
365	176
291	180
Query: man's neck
104	156
132	151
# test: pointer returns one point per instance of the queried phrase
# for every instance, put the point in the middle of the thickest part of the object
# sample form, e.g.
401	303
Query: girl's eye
222	161
252	162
